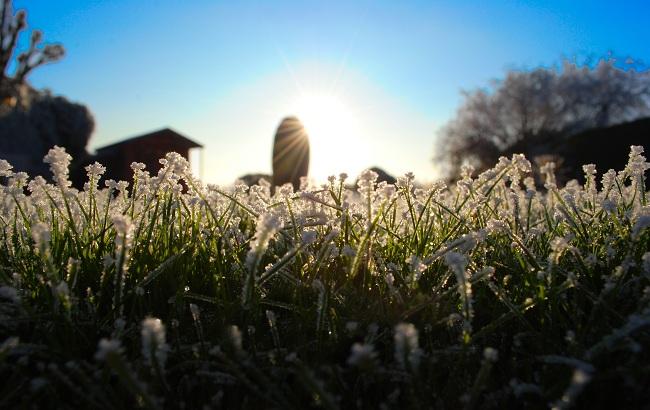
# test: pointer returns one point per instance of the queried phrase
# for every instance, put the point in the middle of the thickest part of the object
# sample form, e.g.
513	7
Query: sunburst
335	134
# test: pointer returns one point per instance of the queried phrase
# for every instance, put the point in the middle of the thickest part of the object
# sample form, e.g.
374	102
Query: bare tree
11	25
533	111
32	121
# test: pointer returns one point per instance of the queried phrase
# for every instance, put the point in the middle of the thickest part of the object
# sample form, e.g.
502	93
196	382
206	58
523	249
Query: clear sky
387	73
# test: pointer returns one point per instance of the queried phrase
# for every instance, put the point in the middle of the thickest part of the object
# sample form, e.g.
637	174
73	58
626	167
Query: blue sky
225	73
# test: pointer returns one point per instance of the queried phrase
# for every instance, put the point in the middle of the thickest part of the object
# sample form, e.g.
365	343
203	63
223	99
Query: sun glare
335	135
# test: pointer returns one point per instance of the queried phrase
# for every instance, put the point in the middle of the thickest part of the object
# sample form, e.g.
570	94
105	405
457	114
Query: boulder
290	153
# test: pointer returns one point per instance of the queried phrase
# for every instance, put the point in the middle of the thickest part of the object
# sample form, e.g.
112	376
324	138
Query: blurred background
419	86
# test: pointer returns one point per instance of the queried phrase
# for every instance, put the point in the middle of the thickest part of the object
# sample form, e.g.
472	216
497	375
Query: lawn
163	292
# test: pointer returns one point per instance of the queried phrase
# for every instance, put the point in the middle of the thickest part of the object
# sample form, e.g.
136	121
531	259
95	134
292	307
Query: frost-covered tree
534	111
32	121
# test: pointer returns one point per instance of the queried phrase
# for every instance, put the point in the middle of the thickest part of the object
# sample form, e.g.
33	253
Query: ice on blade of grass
59	161
106	347
62	291
490	354
548	171
495	226
406	181
637	164
176	163
267	226
642	222
407	345
235	338
608	205
309	237
458	265
5	168
386	191
95	170
41	235
521	163
195	311
154	341
123	231
366	182
351	326
416	268
362	355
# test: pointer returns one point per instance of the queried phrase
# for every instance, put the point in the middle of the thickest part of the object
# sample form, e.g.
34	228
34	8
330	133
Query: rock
33	121
29	129
290	153
381	176
254	179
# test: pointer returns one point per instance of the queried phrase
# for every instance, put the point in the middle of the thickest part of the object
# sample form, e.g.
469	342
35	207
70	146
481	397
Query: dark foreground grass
488	295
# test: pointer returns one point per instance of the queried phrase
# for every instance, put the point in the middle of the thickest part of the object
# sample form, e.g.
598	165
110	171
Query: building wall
148	151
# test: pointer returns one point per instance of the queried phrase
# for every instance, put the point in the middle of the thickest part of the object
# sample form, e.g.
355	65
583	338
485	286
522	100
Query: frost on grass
154	345
494	290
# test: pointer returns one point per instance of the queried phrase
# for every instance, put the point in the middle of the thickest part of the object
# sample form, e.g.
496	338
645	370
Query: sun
335	135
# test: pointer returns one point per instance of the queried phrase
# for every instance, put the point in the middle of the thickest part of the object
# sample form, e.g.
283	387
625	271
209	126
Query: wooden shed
147	148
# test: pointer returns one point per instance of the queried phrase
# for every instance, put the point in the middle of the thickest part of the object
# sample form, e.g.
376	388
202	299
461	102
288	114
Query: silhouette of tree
11	25
32	121
534	111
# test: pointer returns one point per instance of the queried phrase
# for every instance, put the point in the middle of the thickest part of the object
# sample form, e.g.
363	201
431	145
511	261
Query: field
166	293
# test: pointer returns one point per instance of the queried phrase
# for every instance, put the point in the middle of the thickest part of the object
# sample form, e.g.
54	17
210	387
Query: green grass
489	294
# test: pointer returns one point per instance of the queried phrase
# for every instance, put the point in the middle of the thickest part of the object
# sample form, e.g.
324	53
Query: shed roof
179	139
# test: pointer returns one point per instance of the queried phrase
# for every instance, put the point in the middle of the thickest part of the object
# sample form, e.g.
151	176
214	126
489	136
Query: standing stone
290	153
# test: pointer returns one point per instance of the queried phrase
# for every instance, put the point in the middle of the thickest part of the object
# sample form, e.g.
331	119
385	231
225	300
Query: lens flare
335	135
